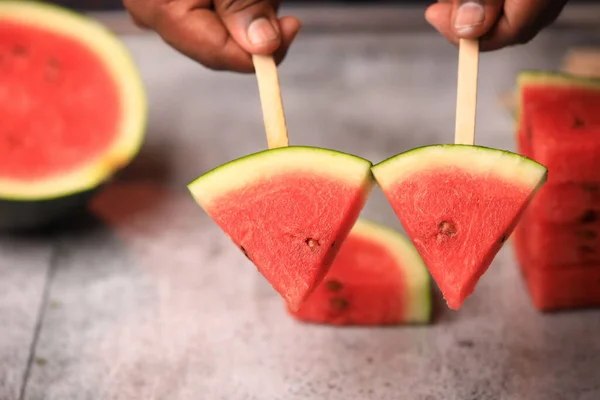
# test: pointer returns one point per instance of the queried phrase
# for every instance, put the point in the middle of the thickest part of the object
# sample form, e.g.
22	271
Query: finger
202	36
438	15
253	24
522	21
469	19
472	19
194	29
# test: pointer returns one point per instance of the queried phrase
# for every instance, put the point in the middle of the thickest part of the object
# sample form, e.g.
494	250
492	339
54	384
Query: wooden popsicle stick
583	62
466	96
270	100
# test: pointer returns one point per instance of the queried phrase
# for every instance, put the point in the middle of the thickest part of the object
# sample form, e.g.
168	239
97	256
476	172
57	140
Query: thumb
472	19
252	24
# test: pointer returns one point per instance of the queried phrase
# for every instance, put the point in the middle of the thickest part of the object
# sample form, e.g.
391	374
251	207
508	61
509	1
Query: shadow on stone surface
439	309
154	161
124	201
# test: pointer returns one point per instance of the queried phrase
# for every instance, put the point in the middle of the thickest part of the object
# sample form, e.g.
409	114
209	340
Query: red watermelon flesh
566	288
377	278
458	204
559	245
556	92
552	288
288	210
524	138
51	89
519	243
568	202
566	144
556	242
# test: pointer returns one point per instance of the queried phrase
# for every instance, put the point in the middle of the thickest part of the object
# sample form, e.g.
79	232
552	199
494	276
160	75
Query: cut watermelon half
377	278
288	209
458	204
73	109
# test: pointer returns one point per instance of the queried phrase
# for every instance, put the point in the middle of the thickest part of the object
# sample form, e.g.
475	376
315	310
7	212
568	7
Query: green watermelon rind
409	261
310	158
51	191
481	151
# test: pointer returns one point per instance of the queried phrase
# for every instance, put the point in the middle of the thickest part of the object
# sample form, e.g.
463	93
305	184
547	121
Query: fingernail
261	31
468	16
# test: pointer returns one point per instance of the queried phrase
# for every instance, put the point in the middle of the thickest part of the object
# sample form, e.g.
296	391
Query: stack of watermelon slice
557	242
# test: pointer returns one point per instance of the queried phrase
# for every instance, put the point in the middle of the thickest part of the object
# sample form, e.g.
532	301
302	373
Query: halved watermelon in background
72	111
458	204
377	278
288	209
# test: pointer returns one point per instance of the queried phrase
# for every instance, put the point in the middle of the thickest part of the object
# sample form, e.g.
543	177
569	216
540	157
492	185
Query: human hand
498	23
219	34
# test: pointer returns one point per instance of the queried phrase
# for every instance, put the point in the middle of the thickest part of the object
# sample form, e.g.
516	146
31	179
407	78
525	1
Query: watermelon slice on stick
289	208
378	278
73	111
459	202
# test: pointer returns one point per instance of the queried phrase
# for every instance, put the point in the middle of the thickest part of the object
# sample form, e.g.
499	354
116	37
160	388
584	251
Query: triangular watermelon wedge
458	204
288	209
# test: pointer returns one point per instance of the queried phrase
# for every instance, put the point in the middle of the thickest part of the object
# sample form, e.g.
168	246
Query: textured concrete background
146	299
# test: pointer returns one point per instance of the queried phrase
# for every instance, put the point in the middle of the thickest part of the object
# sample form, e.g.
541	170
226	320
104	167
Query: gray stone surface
153	302
149	300
24	267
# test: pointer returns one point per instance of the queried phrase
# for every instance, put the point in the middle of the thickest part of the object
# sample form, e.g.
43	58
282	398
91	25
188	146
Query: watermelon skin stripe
548	79
475	159
134	107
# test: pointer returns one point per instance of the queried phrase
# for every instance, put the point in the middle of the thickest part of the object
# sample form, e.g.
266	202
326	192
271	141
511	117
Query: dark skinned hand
497	23
220	34
223	34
